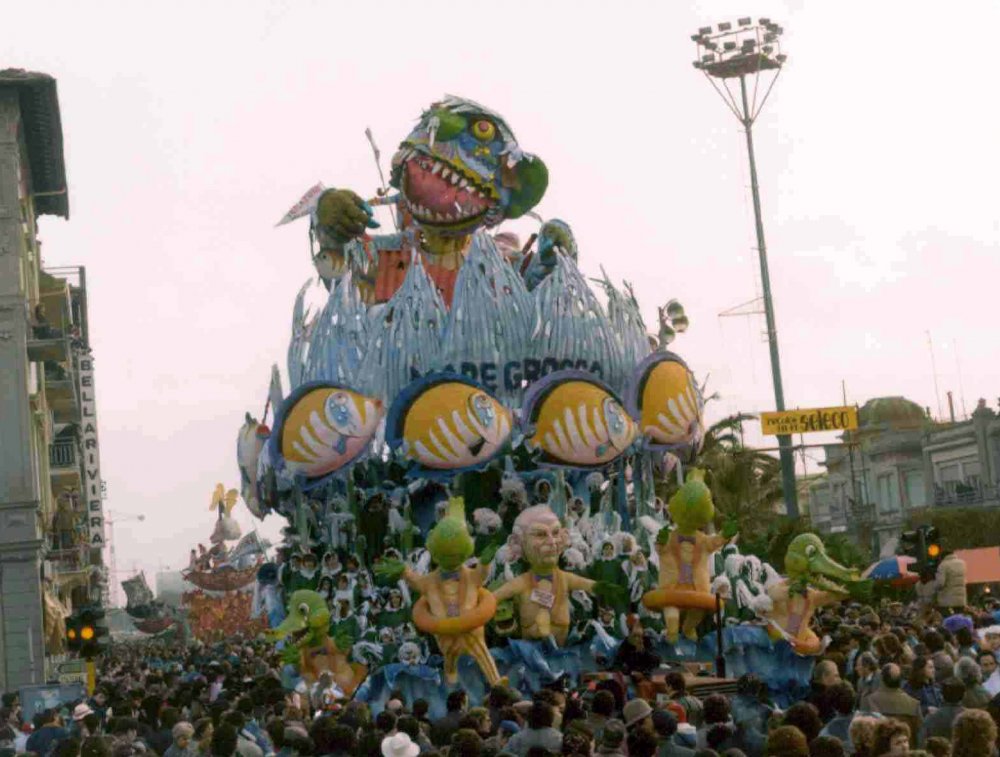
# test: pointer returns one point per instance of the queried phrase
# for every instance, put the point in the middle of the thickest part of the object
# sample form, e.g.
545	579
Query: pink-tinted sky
191	127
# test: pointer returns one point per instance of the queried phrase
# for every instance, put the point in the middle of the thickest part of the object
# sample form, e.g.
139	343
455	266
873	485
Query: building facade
44	340
900	460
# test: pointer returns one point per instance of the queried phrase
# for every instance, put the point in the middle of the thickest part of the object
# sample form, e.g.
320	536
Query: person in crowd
862	733
892	737
866	675
182	745
49	731
952	596
612	742
540	731
825	675
890	700
443	729
665	727
921	685
841	698
974	734
969	673
786	741
939	722
826	746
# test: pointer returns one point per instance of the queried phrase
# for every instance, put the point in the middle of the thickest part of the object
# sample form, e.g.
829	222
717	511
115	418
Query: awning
982	565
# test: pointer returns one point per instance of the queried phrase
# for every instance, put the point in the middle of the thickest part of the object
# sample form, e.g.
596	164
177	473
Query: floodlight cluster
731	50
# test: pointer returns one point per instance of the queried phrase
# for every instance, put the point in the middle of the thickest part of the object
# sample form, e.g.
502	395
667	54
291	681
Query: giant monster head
461	168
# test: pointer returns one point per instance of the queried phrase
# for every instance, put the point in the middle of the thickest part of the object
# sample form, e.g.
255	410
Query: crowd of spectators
893	680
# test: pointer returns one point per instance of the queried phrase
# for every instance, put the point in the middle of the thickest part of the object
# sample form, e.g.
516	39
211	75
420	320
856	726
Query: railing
961	495
62	455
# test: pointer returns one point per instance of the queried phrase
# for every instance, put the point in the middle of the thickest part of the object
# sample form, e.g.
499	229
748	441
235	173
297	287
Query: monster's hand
489	552
609	593
389	570
345	214
290	655
663	536
730	528
343	640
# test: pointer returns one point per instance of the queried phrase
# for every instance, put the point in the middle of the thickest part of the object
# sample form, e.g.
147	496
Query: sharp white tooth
458	208
455	178
436	168
438	217
445	172
463	183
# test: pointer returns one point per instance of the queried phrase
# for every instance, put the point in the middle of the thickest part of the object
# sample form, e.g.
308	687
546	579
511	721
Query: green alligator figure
306	630
813	580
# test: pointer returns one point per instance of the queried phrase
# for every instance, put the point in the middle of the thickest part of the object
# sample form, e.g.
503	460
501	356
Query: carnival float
468	453
220	602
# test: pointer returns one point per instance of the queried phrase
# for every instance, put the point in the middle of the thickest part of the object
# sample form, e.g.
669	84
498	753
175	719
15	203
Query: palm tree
745	482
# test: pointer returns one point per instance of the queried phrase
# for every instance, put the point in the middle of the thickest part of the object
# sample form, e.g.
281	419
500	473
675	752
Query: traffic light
932	547
923	545
73	632
93	632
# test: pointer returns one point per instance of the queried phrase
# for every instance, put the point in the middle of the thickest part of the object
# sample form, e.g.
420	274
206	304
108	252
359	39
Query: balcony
970	493
61	394
64	464
48	345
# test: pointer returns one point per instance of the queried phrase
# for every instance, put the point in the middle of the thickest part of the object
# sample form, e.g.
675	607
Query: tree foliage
959	527
745	482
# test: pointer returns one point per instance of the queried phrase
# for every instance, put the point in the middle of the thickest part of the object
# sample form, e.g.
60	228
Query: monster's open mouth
827	584
506	626
439	194
296	636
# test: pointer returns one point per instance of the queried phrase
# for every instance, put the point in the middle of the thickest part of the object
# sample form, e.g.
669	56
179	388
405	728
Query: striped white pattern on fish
681	420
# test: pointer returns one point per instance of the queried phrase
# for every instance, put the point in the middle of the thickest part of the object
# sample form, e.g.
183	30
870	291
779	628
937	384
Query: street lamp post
115	517
744	52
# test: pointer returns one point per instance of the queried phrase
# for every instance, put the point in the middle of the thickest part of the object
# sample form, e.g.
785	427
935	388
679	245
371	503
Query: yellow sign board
809	420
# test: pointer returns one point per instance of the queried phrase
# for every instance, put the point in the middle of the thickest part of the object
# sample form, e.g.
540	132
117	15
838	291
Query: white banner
92	488
305	205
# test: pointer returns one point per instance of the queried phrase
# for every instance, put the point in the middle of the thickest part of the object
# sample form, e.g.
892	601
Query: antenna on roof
937	392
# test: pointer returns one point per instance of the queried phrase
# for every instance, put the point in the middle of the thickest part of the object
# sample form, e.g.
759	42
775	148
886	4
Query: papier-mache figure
813	580
542	593
684	584
454	606
311	649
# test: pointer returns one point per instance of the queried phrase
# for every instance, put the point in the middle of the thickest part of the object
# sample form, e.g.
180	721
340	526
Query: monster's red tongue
443	193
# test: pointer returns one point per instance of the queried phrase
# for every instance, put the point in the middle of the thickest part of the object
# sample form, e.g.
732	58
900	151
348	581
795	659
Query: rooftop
39	104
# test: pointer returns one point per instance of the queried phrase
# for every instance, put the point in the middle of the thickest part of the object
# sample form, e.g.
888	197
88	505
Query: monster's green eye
811	550
304	608
484	130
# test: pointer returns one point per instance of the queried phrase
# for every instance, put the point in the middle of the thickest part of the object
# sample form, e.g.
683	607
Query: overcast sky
191	127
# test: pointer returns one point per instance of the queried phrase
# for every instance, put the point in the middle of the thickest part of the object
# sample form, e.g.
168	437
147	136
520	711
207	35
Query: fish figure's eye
484	130
614	417
304	608
484	410
338	410
811	550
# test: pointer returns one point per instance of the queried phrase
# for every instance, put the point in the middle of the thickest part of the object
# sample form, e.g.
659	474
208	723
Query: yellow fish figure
577	420
667	402
446	422
322	427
